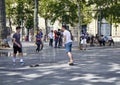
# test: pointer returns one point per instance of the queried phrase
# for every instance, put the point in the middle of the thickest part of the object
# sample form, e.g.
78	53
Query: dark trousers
56	42
60	42
38	47
51	42
111	42
102	43
41	45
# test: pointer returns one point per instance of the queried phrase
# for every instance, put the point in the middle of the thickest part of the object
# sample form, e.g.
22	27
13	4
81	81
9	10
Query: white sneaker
21	61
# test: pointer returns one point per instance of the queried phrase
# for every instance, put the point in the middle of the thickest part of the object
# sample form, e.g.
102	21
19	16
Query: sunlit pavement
95	66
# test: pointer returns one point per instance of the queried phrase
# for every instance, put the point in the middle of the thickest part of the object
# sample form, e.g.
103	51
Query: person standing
110	40
56	38
50	35
67	42
38	41
41	36
59	33
83	42
17	46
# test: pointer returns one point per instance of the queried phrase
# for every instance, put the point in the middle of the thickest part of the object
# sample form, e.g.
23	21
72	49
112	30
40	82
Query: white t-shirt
50	35
109	38
68	36
83	41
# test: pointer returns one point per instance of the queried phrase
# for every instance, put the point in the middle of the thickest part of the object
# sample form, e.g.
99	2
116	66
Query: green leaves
107	8
66	11
20	11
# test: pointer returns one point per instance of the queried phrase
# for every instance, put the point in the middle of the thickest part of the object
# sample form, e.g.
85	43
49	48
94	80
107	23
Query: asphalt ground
94	66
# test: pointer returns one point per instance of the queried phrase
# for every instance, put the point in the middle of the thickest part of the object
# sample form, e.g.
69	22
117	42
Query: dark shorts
68	47
17	49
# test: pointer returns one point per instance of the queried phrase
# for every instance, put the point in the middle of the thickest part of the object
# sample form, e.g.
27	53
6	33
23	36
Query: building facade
104	29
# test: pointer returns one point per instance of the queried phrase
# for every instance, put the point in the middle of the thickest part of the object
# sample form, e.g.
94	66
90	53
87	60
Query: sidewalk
92	67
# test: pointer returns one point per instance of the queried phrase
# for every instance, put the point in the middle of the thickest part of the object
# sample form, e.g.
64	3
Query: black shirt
17	39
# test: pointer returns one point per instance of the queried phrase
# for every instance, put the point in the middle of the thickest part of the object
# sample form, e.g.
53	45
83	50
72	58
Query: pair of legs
68	47
59	42
19	50
69	54
38	47
111	42
56	42
83	46
41	45
102	42
51	42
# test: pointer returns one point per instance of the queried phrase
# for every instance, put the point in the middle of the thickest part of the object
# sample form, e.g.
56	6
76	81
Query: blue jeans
68	47
56	42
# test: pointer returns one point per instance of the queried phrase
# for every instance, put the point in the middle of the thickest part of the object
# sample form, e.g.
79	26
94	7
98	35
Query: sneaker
22	62
36	65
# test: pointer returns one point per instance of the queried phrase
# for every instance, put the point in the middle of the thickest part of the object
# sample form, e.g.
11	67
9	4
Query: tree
29	24
45	11
9	11
63	10
3	29
20	11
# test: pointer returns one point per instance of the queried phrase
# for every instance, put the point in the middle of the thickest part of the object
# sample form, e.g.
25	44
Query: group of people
95	40
102	40
55	36
62	37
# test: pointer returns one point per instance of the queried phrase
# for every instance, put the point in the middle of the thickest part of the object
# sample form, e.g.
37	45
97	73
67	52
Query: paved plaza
95	66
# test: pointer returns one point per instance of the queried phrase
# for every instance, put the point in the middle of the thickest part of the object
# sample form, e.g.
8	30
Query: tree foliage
20	11
108	9
66	11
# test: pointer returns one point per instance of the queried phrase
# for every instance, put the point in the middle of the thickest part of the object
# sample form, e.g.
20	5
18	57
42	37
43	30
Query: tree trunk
27	34
10	25
36	16
3	29
79	26
46	26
